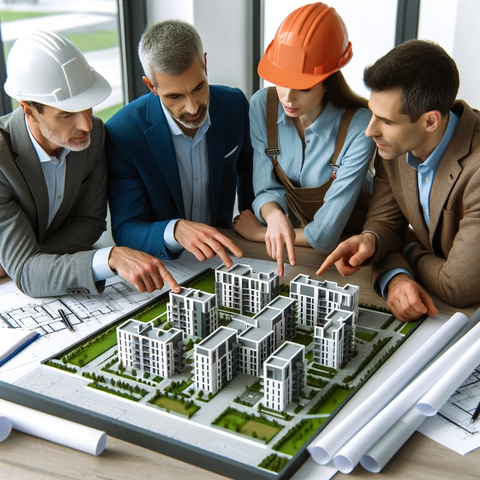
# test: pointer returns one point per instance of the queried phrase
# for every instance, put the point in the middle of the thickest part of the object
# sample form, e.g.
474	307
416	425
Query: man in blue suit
178	156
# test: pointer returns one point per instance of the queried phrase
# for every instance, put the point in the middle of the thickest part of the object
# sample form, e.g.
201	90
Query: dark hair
339	93
38	106
426	74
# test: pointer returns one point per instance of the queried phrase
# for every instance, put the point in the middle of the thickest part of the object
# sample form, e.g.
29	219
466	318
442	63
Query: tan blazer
446	259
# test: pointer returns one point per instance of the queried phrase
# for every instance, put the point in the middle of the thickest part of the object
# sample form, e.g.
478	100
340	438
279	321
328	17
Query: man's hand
350	254
249	226
280	233
3	273
407	300
145	272
205	241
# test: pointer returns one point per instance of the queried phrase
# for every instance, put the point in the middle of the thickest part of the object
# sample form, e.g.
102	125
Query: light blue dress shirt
425	175
192	160
310	167
54	171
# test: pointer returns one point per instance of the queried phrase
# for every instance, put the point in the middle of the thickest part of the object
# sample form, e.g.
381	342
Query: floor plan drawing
452	425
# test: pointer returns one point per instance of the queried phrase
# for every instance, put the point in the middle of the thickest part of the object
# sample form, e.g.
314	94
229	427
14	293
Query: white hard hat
47	68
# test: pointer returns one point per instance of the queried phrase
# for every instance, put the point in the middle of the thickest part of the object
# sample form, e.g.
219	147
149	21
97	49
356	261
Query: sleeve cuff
169	238
408	246
100	268
385	277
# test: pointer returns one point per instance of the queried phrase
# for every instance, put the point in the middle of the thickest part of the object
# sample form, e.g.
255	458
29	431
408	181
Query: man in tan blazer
423	225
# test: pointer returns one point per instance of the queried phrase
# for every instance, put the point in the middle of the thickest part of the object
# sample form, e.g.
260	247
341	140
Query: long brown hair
339	93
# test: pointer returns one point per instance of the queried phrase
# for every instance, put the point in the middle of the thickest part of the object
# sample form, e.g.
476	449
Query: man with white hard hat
53	177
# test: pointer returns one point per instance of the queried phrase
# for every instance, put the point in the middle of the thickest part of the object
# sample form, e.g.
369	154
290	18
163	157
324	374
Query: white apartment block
330	338
215	360
255	346
317	299
284	376
239	288
193	311
143	347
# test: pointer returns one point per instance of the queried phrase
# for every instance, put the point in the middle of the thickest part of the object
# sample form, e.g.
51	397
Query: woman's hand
280	233
249	226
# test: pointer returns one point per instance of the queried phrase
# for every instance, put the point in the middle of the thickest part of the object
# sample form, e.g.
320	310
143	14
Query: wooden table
24	457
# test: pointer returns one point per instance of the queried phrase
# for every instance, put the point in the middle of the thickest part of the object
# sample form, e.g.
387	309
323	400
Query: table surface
23	456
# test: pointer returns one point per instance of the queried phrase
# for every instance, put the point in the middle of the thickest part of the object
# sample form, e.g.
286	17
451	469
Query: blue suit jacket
144	182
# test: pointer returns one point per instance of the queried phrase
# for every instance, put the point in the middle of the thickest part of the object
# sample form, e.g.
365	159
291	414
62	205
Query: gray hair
169	47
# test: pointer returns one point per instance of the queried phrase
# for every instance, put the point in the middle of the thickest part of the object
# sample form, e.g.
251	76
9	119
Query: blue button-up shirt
309	166
426	172
192	159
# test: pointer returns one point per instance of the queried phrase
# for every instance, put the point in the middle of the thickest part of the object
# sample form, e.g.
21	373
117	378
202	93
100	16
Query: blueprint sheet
451	426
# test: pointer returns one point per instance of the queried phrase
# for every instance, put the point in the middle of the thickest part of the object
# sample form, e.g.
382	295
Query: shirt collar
173	126
433	160
323	124
43	156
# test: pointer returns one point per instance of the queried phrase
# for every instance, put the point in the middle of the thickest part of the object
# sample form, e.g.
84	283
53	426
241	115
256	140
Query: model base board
230	431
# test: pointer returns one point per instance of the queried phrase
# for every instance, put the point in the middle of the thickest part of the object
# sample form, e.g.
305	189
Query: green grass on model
332	403
151	312
303	339
409	326
331	370
368	337
173	405
206	284
295	438
235	423
94	350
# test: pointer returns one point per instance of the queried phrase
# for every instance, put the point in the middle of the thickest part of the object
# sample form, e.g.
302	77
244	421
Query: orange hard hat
310	45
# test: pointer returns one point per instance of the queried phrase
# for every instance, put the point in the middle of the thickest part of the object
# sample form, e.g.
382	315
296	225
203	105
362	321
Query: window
91	26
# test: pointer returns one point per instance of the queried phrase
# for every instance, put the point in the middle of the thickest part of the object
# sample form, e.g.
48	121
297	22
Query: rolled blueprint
349	455
383	451
324	448
433	401
5	427
54	429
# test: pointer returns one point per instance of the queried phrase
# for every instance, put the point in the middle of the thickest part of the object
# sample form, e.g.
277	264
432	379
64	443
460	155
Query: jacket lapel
161	146
216	149
29	164
449	168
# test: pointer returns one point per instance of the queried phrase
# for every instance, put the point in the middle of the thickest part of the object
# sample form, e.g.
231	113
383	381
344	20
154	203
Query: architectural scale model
250	345
244	360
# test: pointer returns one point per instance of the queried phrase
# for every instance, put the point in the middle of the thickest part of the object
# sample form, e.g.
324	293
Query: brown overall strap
341	136
272	132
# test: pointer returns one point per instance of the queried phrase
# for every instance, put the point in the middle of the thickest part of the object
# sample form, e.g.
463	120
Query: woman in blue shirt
303	61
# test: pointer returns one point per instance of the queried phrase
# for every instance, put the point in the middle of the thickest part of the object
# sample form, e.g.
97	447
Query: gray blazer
58	260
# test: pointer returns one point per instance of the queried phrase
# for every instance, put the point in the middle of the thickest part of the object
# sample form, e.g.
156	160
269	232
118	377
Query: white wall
454	25
225	29
163	10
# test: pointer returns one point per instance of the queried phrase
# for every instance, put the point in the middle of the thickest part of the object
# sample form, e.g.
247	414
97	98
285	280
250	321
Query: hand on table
3	273
350	254
407	300
205	241
280	233
249	226
145	272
